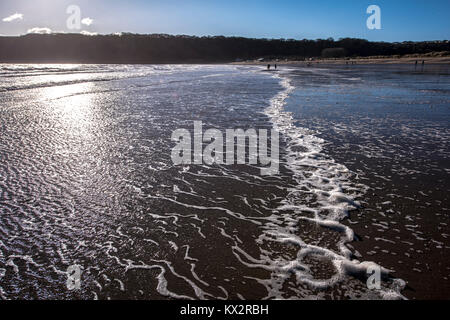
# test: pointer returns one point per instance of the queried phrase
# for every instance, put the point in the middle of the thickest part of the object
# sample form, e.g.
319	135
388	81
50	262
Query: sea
92	205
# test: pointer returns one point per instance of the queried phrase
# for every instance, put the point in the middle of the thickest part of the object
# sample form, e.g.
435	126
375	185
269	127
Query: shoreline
349	61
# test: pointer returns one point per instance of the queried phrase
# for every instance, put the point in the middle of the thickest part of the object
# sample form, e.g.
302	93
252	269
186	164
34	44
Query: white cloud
13	17
87	33
40	30
87	21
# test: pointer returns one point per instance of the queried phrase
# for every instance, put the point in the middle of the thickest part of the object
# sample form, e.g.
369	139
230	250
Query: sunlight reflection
72	106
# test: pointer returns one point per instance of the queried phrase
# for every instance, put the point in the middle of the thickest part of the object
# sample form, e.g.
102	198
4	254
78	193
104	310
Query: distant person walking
268	67
275	67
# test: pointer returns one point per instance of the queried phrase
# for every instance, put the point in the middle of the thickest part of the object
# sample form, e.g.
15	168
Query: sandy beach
358	60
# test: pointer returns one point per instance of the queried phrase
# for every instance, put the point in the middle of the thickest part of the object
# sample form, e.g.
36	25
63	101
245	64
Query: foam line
328	185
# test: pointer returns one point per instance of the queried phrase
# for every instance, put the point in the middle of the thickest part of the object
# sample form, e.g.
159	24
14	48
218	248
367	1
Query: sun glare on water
71	105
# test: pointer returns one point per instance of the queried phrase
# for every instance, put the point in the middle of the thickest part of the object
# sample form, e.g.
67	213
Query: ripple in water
86	179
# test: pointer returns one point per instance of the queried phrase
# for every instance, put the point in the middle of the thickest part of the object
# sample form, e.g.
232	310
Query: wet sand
390	126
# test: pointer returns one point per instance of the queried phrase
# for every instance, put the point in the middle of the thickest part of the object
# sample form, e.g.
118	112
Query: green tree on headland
162	48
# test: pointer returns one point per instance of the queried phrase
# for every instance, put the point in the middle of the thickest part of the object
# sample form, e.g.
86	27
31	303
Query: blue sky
401	19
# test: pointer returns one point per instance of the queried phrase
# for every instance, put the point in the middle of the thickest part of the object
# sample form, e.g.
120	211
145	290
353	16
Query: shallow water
86	179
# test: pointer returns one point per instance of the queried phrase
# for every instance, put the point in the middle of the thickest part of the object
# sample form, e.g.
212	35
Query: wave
52	84
330	196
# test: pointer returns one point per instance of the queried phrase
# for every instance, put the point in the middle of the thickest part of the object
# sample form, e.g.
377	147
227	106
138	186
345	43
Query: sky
401	20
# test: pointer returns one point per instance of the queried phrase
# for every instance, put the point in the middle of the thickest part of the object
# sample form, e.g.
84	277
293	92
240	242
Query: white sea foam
328	184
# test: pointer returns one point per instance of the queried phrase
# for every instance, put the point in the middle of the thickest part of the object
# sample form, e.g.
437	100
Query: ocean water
86	179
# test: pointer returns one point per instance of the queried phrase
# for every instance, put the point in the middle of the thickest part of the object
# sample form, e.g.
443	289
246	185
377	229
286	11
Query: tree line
161	48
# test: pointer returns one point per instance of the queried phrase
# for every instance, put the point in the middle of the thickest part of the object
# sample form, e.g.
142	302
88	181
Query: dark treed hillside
132	48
